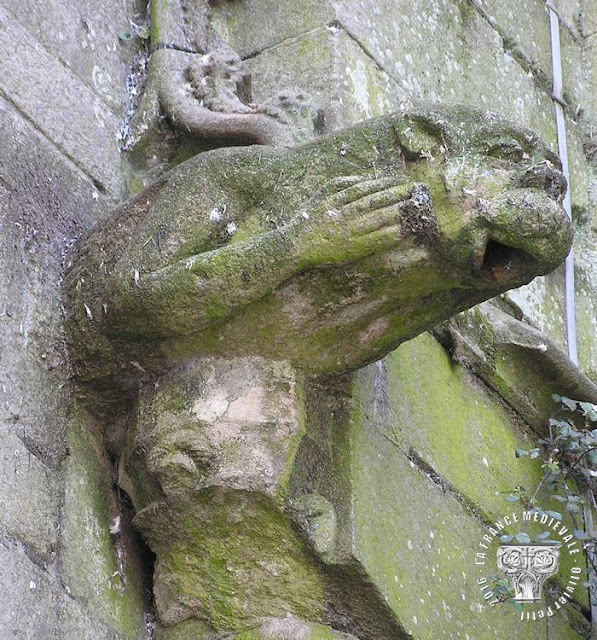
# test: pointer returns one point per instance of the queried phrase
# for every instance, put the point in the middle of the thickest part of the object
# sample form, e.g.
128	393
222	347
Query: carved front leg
340	226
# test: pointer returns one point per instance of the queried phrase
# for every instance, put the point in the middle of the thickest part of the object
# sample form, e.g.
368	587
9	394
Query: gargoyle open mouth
498	261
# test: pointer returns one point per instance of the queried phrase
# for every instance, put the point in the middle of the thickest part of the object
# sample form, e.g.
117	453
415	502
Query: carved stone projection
203	90
520	362
211	299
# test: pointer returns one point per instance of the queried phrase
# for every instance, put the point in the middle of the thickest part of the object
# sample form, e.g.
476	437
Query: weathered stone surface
571	13
47	197
312	59
542	304
96	566
217	423
208	97
573	73
287	628
456	69
84	37
75	119
516	360
360	89
590	68
206	464
254	25
35	605
586	306
44	198
410	445
526	33
29	606
395	503
588	19
28	481
364	68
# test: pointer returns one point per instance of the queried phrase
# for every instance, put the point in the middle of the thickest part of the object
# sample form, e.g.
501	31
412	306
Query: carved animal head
507	184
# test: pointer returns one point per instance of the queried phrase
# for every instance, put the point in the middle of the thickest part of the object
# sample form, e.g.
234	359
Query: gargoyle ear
419	138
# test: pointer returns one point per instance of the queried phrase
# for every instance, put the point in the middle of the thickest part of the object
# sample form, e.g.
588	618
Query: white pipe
558	100
559	104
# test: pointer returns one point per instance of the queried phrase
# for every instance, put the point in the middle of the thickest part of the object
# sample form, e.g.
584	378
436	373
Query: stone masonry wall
426	446
62	86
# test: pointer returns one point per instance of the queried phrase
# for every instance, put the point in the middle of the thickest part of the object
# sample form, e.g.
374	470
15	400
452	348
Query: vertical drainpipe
559	104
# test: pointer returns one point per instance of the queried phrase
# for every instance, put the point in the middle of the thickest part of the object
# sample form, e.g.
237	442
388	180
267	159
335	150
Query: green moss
429	454
315	632
186	630
454	431
292	446
112	588
236	555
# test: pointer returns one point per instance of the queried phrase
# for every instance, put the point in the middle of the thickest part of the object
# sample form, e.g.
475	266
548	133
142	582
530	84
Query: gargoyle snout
527	233
545	176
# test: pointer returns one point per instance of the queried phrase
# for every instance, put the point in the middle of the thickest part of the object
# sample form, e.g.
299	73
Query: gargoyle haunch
327	255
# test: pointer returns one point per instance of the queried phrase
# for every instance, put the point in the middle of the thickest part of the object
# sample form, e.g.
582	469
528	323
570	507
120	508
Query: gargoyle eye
506	150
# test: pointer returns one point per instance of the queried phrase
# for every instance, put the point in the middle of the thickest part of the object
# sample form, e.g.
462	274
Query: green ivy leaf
523	538
543	536
586	407
579	534
571	404
572	508
555	515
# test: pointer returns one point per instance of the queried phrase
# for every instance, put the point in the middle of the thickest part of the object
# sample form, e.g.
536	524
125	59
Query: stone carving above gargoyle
203	87
212	297
209	96
327	255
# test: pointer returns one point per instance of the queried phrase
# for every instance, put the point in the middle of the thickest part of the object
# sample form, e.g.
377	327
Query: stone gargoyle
328	255
210	297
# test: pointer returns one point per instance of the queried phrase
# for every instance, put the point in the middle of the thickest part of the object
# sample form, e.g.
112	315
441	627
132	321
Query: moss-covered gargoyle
215	296
327	255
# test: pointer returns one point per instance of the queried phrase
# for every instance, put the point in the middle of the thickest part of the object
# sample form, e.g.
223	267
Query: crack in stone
284	43
540	78
422	465
100	186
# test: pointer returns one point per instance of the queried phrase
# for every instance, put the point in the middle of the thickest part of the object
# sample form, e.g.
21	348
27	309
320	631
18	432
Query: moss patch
233	560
